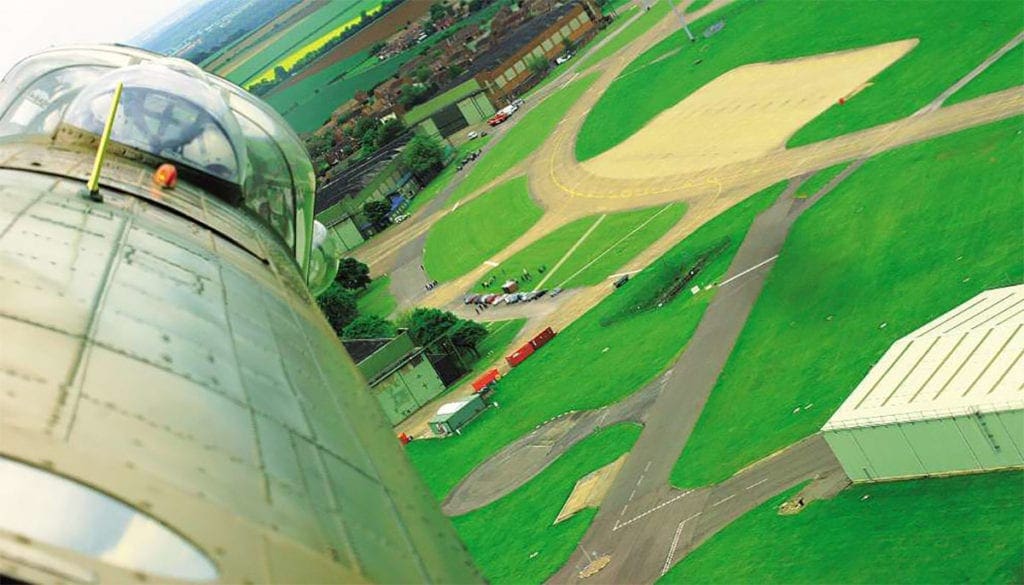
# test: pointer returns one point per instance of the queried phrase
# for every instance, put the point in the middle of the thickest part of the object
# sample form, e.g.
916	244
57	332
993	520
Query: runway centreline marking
654	509
675	543
648	466
752	486
723	500
751	269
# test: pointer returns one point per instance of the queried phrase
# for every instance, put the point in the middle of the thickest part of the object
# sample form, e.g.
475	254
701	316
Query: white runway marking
675	543
752	486
723	500
630	273
631	494
648	466
565	257
751	269
620	240
654	509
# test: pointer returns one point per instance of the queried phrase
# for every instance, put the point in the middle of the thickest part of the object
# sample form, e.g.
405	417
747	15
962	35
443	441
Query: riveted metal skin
162	348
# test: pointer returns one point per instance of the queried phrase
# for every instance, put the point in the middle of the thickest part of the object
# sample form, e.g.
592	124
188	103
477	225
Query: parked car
541	292
498	118
563	58
621	280
401	218
518	103
555	292
470	299
473	135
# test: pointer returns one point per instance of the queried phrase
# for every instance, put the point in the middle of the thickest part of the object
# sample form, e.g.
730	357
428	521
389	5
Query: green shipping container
453	416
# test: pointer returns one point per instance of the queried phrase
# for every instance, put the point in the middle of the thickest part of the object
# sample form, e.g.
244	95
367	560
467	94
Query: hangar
945	399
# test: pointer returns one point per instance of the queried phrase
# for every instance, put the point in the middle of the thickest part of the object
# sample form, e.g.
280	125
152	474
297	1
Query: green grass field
1005	73
819	180
527	135
468	236
377	298
910	235
614	242
697	5
442	180
604	356
964	529
766	31
615	239
513	540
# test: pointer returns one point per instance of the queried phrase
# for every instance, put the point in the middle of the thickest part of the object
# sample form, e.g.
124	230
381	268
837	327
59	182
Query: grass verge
962	529
444	178
377	298
770	31
819	180
463	239
513	540
614	240
604	356
910	235
1005	73
628	35
527	136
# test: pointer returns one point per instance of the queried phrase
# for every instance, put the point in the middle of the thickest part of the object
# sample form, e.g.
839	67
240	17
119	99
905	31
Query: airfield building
402	377
945	399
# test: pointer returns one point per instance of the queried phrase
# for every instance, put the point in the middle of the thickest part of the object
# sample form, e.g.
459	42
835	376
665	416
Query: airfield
725	154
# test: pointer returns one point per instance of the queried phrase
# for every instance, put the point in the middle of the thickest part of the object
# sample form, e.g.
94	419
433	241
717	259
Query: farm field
442	180
310	27
881	533
524	138
513	540
1005	73
902	240
308	101
605	355
377	299
306	105
613	241
474	232
223	60
773	31
365	6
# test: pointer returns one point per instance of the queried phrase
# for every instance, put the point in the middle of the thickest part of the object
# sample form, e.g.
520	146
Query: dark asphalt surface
641	518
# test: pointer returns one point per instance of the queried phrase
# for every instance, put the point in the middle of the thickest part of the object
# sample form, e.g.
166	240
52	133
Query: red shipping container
518	356
483	381
542	338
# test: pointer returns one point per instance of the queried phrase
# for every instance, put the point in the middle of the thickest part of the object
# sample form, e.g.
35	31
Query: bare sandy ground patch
744	114
590	490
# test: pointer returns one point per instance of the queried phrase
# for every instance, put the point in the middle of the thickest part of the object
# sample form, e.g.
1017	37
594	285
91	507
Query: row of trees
281	74
426	326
